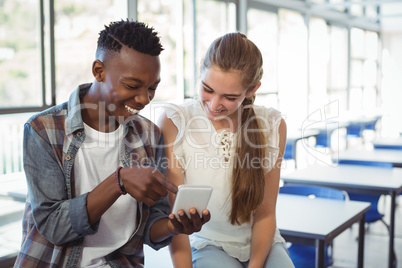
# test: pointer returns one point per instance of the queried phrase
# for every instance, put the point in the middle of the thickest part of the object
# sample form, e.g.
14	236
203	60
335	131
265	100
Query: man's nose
143	98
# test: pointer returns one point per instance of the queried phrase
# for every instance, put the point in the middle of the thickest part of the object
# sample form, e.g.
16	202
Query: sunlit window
364	70
77	27
356	9
371	45
338	5
262	29
371	12
339	59
162	16
357	43
20	63
356	73
213	19
319	55
292	67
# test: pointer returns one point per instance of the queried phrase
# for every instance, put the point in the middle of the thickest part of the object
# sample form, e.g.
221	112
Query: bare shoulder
282	129
168	128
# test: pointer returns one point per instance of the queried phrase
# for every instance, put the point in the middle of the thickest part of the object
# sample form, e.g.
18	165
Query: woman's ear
98	70
253	90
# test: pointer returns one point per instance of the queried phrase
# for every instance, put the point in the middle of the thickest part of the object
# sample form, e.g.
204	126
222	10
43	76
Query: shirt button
79	134
68	158
65	188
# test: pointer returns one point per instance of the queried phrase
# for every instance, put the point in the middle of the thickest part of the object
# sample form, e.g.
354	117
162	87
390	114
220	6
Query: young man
83	156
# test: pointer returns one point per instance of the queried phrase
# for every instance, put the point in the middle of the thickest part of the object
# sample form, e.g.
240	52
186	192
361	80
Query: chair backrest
312	191
365	163
388	147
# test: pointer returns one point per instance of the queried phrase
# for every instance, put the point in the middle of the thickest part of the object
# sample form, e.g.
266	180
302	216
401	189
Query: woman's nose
214	103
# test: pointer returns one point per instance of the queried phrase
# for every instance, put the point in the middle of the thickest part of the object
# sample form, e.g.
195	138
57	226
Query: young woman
221	139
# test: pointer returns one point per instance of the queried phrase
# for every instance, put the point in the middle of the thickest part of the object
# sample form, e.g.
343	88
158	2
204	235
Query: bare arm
180	249
144	183
264	218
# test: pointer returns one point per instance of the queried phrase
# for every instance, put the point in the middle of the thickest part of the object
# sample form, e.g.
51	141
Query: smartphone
192	196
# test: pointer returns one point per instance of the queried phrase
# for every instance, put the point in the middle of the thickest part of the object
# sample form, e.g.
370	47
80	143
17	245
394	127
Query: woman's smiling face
221	93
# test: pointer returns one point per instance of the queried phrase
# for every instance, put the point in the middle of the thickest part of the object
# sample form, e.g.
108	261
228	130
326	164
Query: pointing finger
170	186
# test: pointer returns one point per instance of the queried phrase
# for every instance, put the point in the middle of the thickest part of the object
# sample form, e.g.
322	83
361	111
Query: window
292	67
338	66
262	29
213	19
77	26
20	54
319	56
364	70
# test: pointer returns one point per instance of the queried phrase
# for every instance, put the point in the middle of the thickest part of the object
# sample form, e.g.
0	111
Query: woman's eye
230	99
207	90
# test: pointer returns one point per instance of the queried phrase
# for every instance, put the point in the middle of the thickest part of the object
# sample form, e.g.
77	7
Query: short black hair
133	34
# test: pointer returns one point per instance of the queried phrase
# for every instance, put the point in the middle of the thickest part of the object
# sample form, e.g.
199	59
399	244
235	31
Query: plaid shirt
55	220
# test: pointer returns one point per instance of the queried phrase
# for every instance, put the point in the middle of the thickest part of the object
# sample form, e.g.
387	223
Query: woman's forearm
180	251
261	240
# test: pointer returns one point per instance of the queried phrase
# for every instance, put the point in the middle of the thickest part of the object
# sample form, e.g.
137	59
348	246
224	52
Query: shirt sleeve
177	115
57	218
161	209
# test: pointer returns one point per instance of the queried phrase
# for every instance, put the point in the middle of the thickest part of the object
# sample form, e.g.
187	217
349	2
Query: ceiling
391	16
390	11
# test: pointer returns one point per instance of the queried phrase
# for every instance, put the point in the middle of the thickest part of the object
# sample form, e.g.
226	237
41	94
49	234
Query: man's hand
146	184
184	225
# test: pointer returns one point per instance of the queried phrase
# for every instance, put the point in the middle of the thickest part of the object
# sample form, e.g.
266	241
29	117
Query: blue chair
290	152
303	255
372	214
354	130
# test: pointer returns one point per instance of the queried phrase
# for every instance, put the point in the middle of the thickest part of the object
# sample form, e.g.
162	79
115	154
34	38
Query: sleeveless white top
207	157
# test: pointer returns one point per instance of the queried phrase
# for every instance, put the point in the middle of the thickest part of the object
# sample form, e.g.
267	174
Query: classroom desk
317	221
371	155
388	143
359	179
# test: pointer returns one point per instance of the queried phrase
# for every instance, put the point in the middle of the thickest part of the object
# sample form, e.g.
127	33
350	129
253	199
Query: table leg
319	254
360	255
391	255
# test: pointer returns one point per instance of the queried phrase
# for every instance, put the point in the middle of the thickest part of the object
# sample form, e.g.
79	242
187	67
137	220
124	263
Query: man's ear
98	69
253	90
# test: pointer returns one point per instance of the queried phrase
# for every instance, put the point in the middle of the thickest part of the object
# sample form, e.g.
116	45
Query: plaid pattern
55	136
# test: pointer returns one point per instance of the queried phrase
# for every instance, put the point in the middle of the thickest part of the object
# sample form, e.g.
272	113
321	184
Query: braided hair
234	51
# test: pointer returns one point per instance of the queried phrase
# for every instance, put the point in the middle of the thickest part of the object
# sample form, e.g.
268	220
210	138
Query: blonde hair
234	51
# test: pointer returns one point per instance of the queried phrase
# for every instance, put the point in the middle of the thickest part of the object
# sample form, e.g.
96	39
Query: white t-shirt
97	158
207	158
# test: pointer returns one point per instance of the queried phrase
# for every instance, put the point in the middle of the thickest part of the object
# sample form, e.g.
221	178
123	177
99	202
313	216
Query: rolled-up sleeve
161	209
57	218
